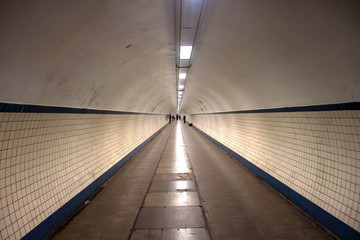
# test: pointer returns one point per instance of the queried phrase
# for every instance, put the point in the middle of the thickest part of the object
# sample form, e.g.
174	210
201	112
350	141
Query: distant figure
173	118
177	117
184	119
170	118
180	117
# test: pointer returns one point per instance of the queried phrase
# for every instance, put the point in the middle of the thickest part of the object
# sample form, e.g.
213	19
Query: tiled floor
182	186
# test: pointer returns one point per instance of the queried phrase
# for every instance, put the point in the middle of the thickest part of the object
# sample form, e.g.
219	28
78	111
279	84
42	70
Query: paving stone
170	217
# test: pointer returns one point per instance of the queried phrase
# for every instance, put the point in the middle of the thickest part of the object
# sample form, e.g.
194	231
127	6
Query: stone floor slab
170	217
171	234
172	186
172	199
173	176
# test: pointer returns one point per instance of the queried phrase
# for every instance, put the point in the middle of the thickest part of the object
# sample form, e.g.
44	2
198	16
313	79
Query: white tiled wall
46	159
315	153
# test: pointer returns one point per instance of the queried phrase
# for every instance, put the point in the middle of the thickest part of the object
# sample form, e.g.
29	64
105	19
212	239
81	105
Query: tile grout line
151	181
266	184
203	210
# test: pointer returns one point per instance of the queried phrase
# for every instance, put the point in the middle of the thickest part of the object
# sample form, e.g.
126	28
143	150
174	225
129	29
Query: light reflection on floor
172	202
181	159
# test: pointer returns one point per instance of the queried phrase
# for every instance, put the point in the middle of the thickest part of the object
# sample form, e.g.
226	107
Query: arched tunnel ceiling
116	55
254	54
120	55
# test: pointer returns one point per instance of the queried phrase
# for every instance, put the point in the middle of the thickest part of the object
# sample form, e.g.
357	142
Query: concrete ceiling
100	54
254	54
120	55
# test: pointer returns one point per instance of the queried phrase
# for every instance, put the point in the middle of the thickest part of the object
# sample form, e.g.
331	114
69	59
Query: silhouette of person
184	118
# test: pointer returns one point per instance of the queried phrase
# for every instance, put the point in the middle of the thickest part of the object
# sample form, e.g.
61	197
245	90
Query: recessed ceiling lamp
187	19
185	52
182	76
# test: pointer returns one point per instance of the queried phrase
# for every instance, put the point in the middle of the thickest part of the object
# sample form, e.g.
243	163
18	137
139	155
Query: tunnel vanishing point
87	86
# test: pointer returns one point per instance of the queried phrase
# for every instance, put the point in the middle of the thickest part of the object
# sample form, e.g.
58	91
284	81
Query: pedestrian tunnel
271	90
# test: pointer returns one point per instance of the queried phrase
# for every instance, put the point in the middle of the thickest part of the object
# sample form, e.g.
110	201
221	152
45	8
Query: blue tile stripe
57	218
23	108
339	228
313	108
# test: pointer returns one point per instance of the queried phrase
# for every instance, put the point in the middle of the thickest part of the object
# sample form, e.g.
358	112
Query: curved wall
314	153
120	55
114	55
49	158
270	54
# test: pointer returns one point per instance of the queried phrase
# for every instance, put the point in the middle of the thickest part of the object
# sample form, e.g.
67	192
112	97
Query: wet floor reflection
172	207
180	150
172	199
172	234
172	186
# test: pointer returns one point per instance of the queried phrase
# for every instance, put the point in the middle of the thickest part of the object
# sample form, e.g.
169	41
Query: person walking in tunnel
169	118
184	117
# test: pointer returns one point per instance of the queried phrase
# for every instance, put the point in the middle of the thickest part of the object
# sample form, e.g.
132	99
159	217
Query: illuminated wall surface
59	59
316	154
47	159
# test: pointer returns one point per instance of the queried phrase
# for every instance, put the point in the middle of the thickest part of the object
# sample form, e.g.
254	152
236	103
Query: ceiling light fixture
185	52
182	76
187	19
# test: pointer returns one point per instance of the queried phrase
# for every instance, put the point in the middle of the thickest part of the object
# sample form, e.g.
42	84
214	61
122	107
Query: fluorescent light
185	52
182	76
